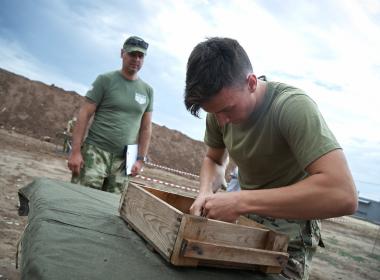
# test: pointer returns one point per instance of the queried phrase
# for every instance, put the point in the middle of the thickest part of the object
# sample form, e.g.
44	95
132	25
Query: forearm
80	130
208	173
311	198
144	139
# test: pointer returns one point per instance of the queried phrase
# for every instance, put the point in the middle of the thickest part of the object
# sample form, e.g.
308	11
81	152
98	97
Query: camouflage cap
135	44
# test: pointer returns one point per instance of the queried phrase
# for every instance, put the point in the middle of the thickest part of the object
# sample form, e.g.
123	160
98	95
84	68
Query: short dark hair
213	65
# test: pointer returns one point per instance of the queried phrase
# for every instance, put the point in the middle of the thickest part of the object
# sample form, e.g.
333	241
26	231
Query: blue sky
328	48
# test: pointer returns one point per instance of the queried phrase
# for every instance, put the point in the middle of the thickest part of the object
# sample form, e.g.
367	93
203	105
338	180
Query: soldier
121	103
68	135
291	168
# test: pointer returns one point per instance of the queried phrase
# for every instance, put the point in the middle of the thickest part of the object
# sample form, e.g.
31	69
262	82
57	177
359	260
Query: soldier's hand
136	168
197	208
223	206
75	163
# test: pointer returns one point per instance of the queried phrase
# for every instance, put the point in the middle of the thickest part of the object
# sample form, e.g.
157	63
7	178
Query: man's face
132	61
230	105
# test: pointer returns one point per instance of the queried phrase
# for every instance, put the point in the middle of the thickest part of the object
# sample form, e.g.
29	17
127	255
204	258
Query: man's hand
222	206
75	163
197	206
136	168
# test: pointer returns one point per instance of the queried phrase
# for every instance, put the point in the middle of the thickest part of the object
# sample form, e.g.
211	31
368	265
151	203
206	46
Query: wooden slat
208	230
177	258
275	242
232	254
182	203
163	187
244	221
154	219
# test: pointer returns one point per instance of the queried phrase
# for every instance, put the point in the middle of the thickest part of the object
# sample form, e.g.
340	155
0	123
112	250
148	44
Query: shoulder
212	123
285	95
108	76
145	85
284	91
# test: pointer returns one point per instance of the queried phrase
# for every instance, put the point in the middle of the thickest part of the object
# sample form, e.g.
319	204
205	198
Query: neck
130	76
261	89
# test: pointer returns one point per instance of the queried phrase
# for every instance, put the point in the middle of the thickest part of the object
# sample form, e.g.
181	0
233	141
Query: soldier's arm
144	140
209	172
328	191
145	134
85	113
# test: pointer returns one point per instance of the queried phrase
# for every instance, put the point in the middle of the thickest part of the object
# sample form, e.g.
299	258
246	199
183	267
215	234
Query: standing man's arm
144	140
75	162
209	171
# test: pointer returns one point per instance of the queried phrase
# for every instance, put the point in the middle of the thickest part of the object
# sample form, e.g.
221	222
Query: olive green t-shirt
281	138
121	104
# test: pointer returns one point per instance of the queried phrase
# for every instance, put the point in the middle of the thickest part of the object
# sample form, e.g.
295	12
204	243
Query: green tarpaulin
75	232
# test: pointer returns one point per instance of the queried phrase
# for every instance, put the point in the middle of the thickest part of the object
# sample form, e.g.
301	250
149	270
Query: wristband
142	158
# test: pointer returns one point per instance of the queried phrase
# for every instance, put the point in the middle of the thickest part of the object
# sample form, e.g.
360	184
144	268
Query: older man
121	104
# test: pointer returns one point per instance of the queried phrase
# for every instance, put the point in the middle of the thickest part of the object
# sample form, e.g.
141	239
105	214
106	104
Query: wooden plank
244	221
163	187
177	258
275	242
208	230
182	203
232	254
155	220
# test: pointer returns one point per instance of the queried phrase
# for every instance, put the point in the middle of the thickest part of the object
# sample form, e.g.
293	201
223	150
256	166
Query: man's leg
94	170
116	180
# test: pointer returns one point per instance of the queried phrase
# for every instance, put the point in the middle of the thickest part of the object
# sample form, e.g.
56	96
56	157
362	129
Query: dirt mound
39	110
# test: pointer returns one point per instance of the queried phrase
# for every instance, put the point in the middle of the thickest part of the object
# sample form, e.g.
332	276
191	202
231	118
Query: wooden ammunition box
163	220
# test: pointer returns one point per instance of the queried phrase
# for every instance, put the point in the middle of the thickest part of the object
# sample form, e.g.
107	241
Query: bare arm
329	191
213	160
85	113
145	134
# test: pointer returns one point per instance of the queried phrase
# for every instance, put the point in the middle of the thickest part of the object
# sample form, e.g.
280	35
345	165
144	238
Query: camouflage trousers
101	170
304	238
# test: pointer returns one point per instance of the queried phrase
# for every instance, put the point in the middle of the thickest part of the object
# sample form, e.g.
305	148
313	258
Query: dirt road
350	253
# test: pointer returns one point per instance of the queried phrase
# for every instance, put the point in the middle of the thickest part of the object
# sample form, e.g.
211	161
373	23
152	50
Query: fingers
198	207
75	167
195	209
134	171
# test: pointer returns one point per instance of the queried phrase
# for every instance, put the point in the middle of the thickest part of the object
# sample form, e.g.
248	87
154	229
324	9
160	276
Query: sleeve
149	108
96	92
305	130
213	135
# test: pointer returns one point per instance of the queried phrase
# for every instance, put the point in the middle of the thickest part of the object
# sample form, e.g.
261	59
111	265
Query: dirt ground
352	246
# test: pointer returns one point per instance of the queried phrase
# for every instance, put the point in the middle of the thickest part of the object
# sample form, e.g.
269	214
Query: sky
329	48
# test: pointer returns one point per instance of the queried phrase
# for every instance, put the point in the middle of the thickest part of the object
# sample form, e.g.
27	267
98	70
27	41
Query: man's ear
252	82
121	53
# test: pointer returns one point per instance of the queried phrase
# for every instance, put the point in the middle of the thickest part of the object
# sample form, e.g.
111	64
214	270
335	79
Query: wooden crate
163	220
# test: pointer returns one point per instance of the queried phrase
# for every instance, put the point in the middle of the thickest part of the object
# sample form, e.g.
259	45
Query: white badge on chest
140	98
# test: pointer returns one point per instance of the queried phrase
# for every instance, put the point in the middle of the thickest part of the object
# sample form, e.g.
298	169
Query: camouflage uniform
102	170
304	238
